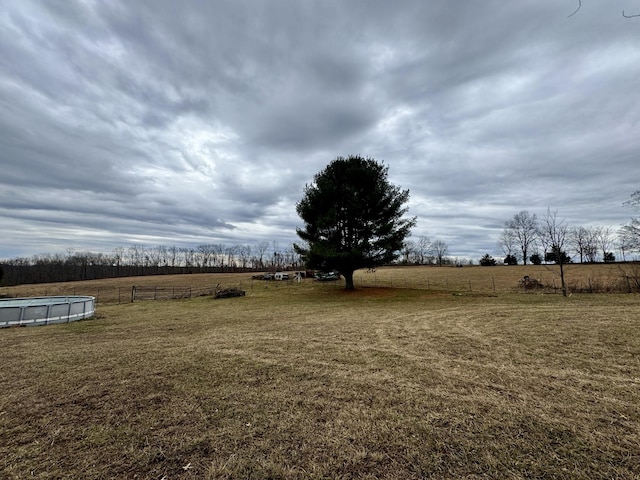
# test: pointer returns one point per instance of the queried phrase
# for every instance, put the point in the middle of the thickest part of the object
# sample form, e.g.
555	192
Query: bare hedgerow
630	278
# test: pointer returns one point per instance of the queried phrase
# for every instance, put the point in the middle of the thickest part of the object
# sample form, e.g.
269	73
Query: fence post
493	280
133	293
469	284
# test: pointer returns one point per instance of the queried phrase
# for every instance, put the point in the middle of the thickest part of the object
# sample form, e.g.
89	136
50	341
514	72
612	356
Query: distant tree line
525	239
550	240
138	260
423	251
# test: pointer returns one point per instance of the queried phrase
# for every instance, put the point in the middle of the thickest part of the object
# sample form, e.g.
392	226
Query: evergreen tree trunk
348	279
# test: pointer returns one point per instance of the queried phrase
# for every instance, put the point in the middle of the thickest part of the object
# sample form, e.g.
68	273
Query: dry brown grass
593	278
309	381
118	290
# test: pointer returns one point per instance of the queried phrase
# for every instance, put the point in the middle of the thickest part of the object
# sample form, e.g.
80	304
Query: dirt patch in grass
318	383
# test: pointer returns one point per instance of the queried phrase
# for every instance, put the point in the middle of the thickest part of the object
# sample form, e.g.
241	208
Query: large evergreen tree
353	217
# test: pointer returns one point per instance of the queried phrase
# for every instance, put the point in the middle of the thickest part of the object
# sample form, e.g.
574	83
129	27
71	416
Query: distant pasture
581	278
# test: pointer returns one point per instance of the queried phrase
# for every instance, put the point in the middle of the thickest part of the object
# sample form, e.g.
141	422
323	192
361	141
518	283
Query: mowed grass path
314	382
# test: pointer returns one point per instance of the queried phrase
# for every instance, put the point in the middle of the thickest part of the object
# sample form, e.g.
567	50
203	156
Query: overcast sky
183	123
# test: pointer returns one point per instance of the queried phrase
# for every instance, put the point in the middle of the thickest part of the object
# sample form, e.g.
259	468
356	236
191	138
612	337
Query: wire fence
550	283
141	293
129	294
444	284
482	281
137	293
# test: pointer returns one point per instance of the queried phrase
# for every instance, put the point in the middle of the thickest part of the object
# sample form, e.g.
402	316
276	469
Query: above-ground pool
45	310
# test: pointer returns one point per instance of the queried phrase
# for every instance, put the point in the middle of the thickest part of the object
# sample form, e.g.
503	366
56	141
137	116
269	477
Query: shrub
488	261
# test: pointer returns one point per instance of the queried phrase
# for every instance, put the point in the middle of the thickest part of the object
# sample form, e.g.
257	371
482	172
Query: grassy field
594	278
309	381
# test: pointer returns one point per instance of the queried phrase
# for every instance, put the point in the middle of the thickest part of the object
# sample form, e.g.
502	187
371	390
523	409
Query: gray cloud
156	122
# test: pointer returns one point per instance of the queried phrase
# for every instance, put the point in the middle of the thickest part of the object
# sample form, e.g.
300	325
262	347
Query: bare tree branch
579	6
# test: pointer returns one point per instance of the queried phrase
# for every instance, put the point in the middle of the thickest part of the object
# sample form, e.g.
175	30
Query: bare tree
578	238
152	258
276	258
262	248
205	255
188	255
507	242
439	249
244	253
629	234
291	257
408	251
118	258
232	254
591	246
135	255
584	241
423	246
218	254
173	256
605	241
555	234
580	6
523	229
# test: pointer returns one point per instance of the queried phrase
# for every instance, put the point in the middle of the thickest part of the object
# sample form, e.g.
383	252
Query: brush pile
228	292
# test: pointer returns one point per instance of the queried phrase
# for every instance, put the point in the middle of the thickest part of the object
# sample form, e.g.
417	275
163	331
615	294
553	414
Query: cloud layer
163	123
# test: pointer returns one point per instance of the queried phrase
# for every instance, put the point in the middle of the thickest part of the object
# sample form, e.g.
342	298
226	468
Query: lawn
307	381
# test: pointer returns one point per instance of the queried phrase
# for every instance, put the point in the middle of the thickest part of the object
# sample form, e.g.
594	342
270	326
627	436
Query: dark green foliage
536	259
487	261
353	217
609	257
510	260
553	257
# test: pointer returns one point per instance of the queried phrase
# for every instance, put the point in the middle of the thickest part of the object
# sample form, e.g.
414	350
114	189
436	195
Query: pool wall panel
45	310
